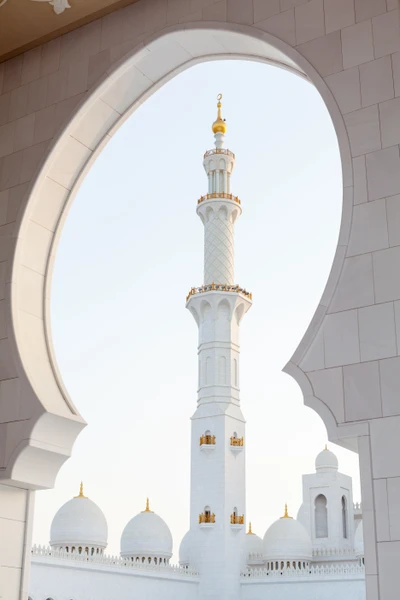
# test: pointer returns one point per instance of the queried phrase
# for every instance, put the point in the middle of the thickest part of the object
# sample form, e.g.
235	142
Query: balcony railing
218	195
107	562
237	519
219	151
237	441
209	440
219	287
206	517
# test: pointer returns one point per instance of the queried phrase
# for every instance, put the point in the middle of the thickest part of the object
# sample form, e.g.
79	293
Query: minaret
218	426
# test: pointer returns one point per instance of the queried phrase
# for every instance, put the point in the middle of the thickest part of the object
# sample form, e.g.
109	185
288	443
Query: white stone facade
59	105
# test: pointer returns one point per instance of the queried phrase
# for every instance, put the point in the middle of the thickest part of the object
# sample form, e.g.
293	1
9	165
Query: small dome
253	544
326	461
146	535
185	549
359	541
286	539
79	522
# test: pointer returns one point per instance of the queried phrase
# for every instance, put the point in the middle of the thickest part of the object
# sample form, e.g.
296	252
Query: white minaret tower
217	509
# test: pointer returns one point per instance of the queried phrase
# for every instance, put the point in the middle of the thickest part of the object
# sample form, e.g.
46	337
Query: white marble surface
53	109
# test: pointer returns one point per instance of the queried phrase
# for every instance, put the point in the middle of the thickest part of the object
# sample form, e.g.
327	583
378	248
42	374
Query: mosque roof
79	522
285	539
147	534
253	543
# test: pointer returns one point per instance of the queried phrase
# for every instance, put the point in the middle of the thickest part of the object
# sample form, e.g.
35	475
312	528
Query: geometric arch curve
74	149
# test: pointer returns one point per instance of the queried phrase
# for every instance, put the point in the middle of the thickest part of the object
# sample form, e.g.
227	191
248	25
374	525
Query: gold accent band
219	287
219	195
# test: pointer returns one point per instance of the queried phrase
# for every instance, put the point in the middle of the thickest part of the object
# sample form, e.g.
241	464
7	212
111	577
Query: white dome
185	549
253	545
146	535
287	539
79	522
359	541
326	461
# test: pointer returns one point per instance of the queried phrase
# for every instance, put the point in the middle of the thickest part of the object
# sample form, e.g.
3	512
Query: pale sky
131	249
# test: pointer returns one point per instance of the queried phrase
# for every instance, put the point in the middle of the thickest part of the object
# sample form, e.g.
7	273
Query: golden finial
250	532
219	125
147	509
81	495
326	447
286	515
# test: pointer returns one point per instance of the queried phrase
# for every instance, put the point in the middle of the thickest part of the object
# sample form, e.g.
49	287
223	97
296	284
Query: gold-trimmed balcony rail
219	287
218	195
237	519
235	441
207	439
206	517
219	151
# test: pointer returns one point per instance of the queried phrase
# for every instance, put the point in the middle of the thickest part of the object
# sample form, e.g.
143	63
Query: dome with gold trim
253	547
287	540
79	526
219	125
147	537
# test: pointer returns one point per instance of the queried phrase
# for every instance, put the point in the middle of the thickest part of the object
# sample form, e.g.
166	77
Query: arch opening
60	401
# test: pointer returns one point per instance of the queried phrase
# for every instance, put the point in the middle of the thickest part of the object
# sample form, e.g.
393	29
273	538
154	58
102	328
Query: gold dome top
219	125
81	495
286	515
147	509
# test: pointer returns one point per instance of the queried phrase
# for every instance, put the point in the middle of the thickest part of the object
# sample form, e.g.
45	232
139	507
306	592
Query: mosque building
318	555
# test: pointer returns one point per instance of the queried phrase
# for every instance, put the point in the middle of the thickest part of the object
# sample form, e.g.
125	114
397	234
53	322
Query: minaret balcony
219	195
219	287
219	151
207	443
206	520
237	521
236	444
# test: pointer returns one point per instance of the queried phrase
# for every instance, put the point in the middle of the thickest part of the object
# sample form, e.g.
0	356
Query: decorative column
218	425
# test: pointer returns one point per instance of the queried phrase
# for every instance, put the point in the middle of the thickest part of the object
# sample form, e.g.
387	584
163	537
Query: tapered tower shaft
218	426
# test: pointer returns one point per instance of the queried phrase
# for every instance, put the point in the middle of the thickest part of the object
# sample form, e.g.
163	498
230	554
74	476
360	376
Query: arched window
344	517
321	517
